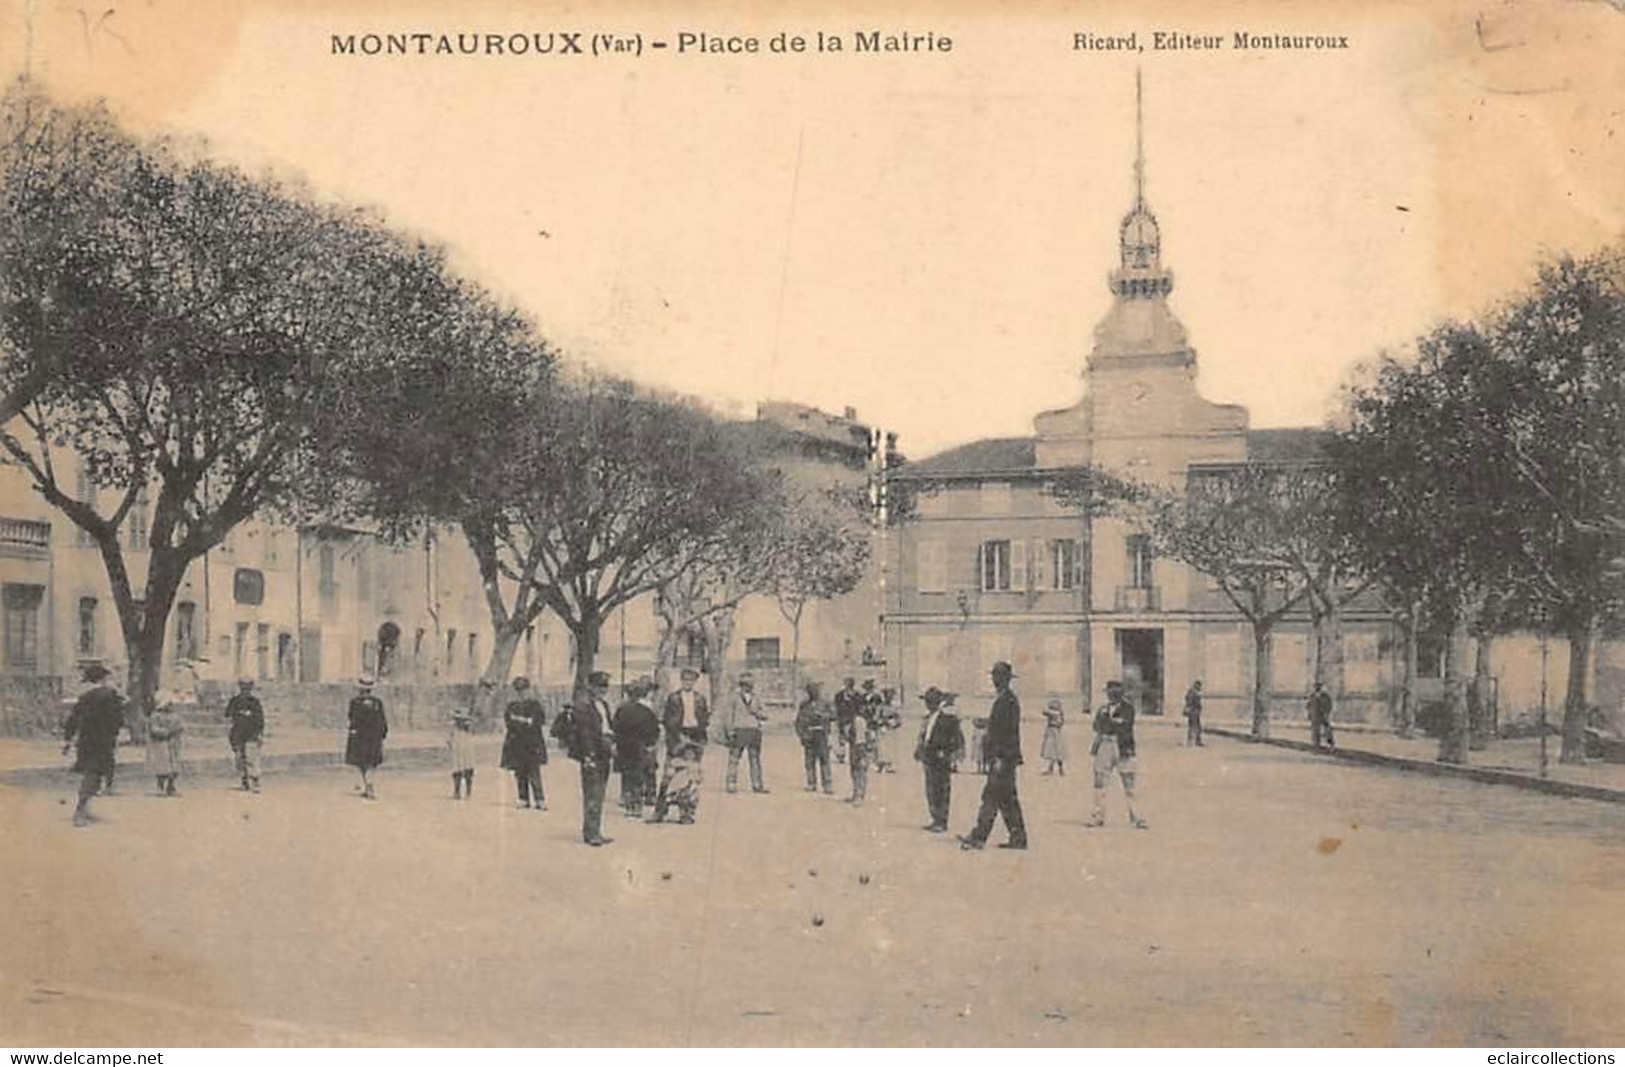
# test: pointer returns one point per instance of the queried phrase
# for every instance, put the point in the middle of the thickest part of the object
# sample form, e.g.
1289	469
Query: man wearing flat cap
941	745
593	746
94	723
637	732
1003	758
247	733
745	718
686	721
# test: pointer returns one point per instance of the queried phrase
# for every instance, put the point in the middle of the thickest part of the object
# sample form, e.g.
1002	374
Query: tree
825	554
1419	471
1241	526
65	175
1553	389
227	315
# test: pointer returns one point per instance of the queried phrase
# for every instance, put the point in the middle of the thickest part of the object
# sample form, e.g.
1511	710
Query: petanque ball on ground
812	872
863	879
817	919
665	876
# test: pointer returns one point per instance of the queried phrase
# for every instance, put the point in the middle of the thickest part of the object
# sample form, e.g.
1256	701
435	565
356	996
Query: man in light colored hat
743	722
1003	746
686	722
247	734
941	745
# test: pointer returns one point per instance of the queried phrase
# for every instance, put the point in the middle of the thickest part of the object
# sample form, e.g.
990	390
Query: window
185	630
932	559
239	659
22	604
1063	564
473	651
326	582
995	566
1140	560
262	649
136	521
1221	662
761	653
1363	662
248	586
86	644
451	647
417	647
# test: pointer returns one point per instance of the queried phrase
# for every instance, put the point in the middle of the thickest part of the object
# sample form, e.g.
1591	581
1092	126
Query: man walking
812	730
1320	717
743	724
941	745
637	731
593	746
1003	752
1114	750
1193	714
94	723
247	718
686	722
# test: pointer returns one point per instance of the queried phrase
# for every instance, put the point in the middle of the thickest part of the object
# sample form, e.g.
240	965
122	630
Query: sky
924	237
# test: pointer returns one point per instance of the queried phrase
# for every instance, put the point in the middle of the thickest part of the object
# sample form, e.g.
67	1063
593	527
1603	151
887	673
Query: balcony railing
1139	598
25	535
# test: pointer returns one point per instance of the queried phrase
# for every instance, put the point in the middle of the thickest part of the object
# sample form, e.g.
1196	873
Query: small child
461	742
164	729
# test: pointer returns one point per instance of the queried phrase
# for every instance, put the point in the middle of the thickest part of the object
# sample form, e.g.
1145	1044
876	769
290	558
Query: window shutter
981	569
1042	565
1018	566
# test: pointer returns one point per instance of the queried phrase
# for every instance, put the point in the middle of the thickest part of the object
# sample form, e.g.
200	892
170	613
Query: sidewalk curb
223	767
1438	770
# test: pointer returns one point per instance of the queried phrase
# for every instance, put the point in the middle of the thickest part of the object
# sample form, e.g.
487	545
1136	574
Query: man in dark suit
247	734
941	745
94	722
637	731
1003	747
1320	717
592	744
686	720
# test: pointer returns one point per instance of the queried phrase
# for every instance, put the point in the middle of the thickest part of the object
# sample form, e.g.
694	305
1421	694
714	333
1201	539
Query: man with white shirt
941	745
743	723
686	721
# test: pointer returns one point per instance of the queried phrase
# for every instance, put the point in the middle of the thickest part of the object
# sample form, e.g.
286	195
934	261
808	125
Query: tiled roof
993	455
1297	444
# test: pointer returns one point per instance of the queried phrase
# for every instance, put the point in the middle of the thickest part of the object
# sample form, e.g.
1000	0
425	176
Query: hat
933	697
746	679
95	672
1004	668
868	683
1114	686
597	678
245	681
690	672
1054	704
365	681
521	682
643	684
461	714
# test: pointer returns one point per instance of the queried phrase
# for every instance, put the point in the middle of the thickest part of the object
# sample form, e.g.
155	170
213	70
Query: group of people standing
861	721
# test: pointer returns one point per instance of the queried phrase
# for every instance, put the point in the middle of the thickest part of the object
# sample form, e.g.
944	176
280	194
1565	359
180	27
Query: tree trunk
719	635
1263	679
795	657
588	635
1332	651
144	625
1405	703
1453	745
1576	706
488	698
1480	721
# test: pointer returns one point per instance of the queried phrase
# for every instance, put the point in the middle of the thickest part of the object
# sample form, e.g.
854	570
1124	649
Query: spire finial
1139	144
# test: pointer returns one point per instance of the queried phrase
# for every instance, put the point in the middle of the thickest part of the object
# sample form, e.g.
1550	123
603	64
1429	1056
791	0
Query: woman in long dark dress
524	747
364	750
